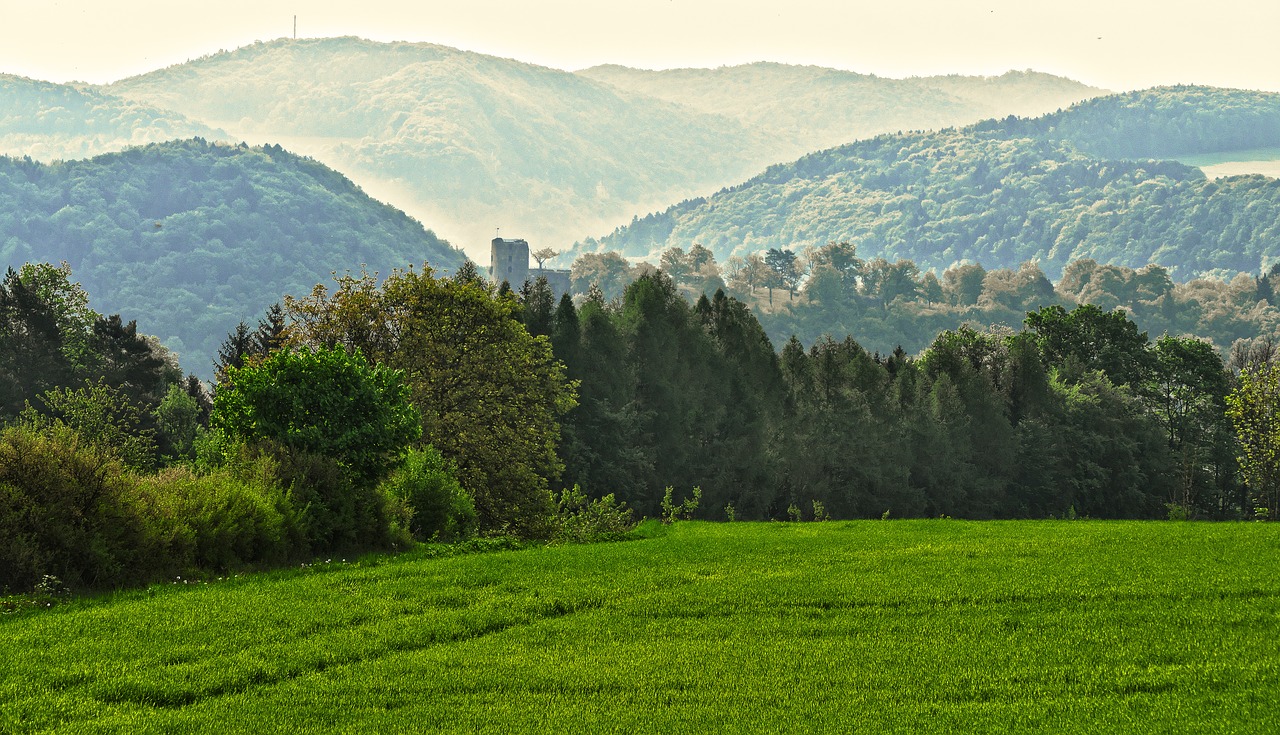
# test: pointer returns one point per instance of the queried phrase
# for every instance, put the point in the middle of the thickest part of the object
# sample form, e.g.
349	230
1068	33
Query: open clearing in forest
1265	161
918	626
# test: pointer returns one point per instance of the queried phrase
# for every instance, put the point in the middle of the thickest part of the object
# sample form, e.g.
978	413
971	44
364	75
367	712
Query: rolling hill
808	108
470	142
189	238
1003	192
47	121
466	141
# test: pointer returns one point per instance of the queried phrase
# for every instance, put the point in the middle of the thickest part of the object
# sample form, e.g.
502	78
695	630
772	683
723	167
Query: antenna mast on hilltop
295	27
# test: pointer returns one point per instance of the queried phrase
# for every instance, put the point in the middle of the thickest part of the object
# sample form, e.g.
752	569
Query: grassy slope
902	625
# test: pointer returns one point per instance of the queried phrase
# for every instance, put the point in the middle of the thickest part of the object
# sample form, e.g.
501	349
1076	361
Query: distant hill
1163	122
189	237
47	121
466	141
1003	192
807	108
471	142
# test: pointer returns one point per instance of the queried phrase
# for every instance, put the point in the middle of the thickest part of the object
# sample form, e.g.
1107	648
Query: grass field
875	626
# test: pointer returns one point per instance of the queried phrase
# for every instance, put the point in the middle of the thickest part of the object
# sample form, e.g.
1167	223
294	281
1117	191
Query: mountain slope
47	121
810	108
1003	192
189	238
467	141
1163	122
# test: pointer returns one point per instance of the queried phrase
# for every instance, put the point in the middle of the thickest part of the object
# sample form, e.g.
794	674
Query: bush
323	402
442	509
581	521
101	415
672	512
335	514
63	511
236	517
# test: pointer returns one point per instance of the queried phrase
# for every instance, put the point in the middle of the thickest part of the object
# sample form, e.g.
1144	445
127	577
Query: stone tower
509	261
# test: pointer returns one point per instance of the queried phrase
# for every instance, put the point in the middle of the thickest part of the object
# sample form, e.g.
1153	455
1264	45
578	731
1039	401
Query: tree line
1077	413
381	412
833	289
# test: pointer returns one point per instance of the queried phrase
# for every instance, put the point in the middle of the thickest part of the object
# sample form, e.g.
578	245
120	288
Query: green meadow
874	626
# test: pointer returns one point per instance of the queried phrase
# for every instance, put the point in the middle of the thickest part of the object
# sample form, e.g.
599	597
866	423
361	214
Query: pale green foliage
102	416
69	303
672	512
579	519
820	511
1254	409
178	417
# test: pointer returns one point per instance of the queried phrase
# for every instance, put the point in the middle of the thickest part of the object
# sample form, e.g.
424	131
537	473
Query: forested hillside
467	141
1001	193
807	108
191	237
47	121
1164	122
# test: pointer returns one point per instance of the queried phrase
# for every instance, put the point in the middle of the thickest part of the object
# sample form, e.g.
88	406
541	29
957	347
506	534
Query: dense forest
363	416
187	237
47	121
994	194
1077	413
1164	122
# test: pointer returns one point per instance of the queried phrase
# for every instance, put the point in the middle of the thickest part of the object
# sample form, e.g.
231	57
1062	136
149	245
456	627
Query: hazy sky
1117	44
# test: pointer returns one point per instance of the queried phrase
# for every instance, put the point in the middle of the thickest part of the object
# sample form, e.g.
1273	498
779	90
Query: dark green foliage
442	509
326	402
602	448
1187	395
64	511
187	237
1087	338
1078	415
334	513
126	359
537	306
32	359
489	393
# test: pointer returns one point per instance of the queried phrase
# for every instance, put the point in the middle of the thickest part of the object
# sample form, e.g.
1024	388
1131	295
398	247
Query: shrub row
71	509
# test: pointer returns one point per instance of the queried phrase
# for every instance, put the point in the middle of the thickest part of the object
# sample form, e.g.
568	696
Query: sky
1115	44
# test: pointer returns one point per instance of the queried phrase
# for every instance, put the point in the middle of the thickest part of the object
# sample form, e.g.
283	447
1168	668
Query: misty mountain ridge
48	121
470	142
808	108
